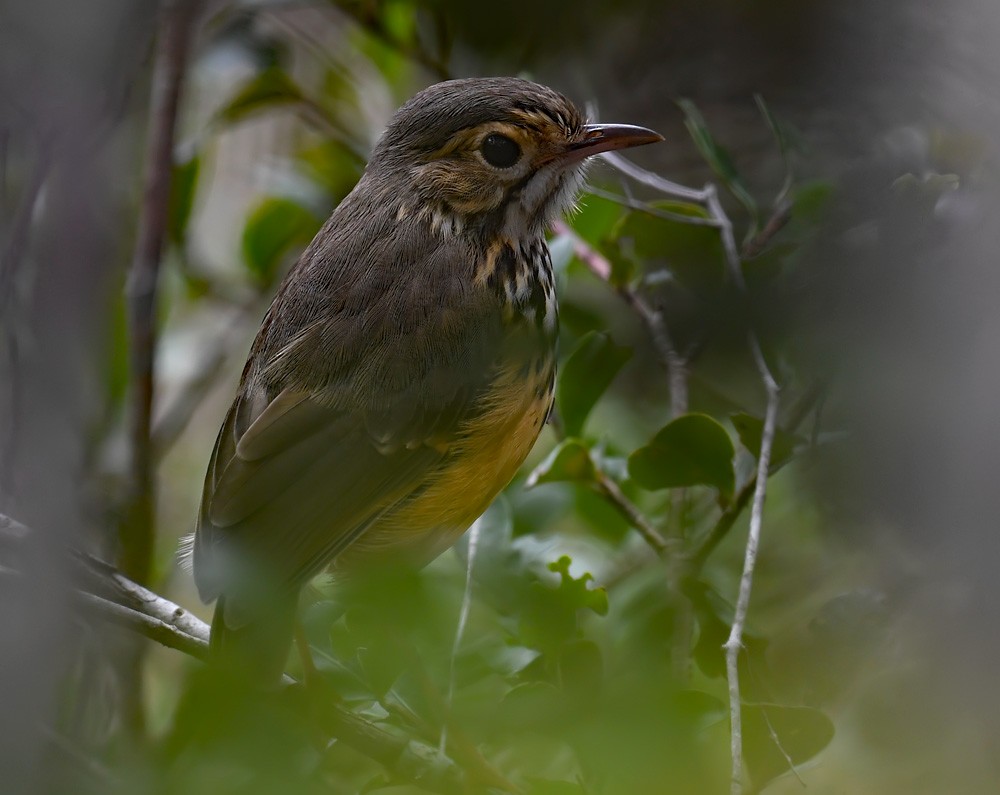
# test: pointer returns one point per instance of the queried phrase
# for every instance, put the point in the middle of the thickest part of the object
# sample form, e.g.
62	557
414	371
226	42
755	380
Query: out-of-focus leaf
588	371
275	226
595	218
543	786
718	158
581	666
783	138
810	201
575	593
570	461
921	194
691	450
692	253
751	430
333	165
183	186
269	88
549	617
770	264
802	731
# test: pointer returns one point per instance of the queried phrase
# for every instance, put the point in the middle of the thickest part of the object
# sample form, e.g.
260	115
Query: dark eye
500	151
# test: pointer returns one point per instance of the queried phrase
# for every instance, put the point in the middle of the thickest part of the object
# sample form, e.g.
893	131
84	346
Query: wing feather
344	412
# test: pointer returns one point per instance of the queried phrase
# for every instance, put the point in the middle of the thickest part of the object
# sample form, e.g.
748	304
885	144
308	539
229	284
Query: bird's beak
599	138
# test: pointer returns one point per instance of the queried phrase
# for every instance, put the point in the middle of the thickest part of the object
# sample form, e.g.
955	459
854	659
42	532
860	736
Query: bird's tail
253	645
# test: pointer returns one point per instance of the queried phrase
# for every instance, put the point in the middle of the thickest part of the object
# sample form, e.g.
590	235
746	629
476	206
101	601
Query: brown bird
407	363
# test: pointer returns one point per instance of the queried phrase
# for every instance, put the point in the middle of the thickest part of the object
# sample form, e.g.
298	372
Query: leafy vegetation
572	643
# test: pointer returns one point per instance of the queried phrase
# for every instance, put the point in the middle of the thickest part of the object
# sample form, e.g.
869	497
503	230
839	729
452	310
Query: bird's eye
500	151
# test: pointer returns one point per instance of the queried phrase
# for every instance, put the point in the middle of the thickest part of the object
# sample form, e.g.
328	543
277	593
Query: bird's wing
302	466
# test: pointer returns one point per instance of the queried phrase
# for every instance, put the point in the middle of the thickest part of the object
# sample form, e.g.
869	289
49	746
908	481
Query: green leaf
691	450
801	731
332	165
751	431
810	200
574	592
543	786
718	158
267	89
595	218
276	226
692	253
587	373
570	461
183	186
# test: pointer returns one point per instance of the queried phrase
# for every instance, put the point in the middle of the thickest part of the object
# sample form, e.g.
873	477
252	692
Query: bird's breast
510	412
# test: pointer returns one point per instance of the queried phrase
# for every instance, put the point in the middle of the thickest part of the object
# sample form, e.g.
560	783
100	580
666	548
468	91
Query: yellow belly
481	463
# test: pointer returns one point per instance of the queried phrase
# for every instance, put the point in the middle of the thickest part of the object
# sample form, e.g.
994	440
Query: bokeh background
869	129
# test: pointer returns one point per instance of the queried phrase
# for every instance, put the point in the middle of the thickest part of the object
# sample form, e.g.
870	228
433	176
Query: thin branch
709	197
168	73
607	487
734	643
670	358
796	416
655	181
649	209
164	633
104	580
755	246
463	618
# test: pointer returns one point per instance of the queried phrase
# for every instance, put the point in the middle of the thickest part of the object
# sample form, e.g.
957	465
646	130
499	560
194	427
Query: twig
735	641
649	209
655	181
709	197
104	580
155	629
463	618
137	539
607	487
774	224
670	358
677	375
796	416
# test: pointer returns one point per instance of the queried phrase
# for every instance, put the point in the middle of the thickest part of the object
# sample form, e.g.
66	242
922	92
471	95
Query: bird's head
500	149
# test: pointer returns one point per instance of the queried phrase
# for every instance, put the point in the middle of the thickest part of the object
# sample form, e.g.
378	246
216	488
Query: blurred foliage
565	679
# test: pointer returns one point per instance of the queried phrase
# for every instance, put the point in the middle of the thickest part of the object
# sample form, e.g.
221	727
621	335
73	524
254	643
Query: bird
406	365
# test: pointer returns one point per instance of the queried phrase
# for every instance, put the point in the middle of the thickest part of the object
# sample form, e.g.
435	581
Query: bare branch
168	74
616	497
755	246
735	641
655	181
670	358
796	416
709	197
649	209
156	629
